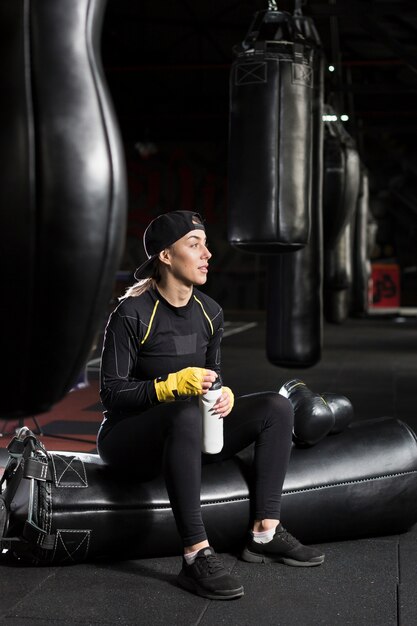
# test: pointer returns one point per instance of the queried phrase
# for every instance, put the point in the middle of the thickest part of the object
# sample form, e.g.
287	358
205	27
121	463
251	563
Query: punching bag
341	181
270	137
294	279
361	266
338	278
62	195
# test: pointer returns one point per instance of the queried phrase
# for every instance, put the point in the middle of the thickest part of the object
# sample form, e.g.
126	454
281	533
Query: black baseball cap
162	232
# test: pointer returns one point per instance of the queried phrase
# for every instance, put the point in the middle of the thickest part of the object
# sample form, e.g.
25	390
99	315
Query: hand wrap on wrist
186	382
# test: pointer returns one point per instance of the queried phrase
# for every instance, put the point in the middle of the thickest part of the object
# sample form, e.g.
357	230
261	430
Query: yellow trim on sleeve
150	323
208	319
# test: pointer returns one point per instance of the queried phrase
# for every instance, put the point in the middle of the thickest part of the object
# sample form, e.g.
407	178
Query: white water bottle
212	434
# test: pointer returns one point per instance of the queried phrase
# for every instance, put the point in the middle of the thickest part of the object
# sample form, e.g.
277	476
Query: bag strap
36	469
38	537
21	448
22	464
269	26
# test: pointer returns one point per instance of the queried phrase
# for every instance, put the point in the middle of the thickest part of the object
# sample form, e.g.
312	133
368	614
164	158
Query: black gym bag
28	489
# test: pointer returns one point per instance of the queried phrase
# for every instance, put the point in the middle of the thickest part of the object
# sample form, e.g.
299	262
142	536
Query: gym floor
369	581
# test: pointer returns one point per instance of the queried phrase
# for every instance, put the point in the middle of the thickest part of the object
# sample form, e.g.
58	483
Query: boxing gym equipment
270	137
186	382
63	507
338	274
62	195
338	278
313	419
340	196
361	265
294	324
342	410
341	178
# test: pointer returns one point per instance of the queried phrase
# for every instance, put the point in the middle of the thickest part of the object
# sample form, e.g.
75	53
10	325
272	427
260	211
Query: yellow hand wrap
231	396
186	382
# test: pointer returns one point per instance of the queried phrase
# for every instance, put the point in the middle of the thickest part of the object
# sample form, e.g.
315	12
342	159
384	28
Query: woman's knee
278	408
185	419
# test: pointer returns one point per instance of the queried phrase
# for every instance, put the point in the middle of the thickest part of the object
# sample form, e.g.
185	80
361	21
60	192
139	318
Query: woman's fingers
210	375
222	406
208	380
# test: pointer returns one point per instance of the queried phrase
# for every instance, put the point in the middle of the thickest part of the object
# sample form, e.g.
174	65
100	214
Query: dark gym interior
168	68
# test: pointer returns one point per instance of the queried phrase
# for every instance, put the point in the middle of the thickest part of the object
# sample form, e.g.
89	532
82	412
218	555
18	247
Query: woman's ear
164	257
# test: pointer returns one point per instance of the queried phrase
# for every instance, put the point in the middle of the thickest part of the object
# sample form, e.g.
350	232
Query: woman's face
188	258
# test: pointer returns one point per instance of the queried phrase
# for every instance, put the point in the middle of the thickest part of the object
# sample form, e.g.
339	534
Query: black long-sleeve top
146	338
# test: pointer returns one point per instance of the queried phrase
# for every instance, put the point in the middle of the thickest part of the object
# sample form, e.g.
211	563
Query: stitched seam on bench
350	482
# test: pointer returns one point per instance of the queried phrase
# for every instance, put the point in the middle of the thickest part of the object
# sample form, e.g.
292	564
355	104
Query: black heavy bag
59	507
338	278
341	179
294	313
361	266
270	137
340	196
62	196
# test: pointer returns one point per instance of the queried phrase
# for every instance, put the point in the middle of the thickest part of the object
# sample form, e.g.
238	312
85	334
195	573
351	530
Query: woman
161	351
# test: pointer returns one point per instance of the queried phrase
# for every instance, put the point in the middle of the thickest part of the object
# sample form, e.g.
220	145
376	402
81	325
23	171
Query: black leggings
167	439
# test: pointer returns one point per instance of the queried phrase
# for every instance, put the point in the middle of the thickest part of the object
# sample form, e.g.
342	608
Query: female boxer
161	351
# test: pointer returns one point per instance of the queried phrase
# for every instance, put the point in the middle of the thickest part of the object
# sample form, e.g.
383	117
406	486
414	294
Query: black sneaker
207	577
284	548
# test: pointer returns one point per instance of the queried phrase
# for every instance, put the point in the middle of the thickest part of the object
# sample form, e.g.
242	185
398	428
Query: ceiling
168	63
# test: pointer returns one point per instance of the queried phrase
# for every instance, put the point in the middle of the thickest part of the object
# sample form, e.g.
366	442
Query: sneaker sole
251	557
191	585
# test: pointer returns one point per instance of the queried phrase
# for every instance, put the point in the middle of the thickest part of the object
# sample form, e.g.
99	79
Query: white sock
265	536
190	557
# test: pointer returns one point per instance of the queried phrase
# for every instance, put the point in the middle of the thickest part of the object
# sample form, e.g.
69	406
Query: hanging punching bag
62	192
294	280
270	137
361	266
341	180
340	194
338	278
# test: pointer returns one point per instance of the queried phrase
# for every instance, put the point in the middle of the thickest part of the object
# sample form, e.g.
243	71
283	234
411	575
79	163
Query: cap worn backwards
162	232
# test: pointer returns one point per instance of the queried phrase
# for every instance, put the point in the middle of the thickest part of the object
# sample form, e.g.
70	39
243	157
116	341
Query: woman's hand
190	381
225	403
208	379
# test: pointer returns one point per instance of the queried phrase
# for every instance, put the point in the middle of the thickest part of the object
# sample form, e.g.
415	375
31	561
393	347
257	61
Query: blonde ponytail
137	289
